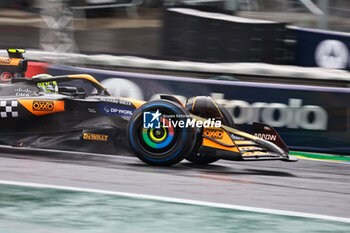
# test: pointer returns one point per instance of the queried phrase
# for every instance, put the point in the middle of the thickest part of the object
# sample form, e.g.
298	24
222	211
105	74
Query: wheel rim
158	135
159	138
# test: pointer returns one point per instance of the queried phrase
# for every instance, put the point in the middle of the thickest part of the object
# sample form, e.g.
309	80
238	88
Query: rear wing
15	65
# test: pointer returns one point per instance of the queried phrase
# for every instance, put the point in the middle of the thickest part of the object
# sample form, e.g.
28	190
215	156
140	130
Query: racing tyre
207	108
160	144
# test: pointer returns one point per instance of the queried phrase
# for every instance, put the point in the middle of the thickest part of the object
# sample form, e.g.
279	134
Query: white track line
182	201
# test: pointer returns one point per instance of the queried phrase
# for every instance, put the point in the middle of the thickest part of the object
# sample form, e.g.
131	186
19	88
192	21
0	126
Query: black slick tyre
167	144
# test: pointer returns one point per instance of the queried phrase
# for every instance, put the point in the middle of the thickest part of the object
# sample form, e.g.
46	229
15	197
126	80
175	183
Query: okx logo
151	120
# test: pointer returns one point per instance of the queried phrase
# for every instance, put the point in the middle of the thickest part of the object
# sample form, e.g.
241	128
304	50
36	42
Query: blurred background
300	42
152	29
243	51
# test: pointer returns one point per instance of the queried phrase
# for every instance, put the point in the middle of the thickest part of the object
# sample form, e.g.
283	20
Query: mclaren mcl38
76	113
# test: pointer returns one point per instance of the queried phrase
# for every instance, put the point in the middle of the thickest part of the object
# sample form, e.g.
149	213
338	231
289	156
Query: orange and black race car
75	112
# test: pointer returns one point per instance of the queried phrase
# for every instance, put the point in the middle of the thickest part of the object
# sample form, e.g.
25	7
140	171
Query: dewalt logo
43	106
95	137
214	133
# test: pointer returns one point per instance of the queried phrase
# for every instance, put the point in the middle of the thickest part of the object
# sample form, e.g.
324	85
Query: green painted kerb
320	156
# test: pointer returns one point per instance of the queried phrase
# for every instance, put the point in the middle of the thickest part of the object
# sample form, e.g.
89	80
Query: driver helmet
47	86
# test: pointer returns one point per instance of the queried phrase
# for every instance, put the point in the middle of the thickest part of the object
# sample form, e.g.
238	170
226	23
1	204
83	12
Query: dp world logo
151	120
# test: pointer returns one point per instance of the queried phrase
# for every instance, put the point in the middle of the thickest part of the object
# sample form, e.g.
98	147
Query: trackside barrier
308	118
196	35
322	48
293	73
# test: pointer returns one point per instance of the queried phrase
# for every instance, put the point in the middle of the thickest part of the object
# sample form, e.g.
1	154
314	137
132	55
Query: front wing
232	144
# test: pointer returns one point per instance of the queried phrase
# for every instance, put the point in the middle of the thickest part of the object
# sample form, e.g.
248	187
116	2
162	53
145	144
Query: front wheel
154	137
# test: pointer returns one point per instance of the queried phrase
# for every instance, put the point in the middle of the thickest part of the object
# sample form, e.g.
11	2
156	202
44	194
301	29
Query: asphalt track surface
308	186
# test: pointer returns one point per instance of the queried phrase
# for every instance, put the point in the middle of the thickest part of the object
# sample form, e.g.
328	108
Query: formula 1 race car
75	112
